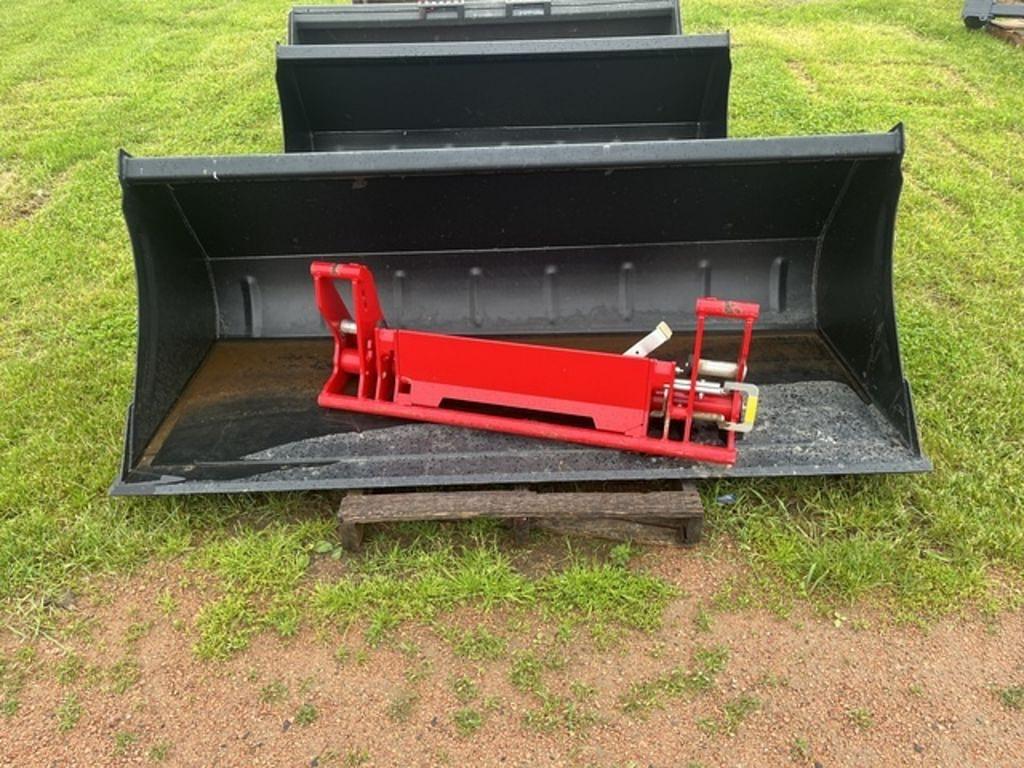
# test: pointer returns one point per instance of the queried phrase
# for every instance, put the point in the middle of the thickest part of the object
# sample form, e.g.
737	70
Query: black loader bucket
585	246
484	20
340	97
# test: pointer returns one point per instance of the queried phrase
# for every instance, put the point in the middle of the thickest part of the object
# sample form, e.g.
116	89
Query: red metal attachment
628	402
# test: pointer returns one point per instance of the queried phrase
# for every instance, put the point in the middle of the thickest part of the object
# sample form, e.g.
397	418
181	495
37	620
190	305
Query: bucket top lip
517	158
355	10
494	48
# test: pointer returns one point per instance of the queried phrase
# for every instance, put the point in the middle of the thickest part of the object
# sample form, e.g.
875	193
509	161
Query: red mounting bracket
628	402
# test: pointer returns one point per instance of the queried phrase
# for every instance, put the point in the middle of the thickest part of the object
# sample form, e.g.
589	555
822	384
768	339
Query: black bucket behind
484	20
515	92
588	246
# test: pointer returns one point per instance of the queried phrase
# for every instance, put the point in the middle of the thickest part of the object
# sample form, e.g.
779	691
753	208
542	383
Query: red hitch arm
628	402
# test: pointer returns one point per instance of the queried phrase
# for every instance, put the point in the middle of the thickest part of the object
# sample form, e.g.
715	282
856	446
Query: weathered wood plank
460	505
351	535
1010	30
615	530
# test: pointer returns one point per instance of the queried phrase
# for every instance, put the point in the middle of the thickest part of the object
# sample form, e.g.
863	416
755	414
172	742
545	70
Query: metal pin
650	342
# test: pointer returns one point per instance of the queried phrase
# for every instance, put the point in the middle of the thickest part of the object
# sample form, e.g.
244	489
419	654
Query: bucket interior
232	352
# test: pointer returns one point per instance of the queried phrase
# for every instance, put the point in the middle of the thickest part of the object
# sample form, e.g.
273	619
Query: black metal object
588	245
509	92
483	20
977	13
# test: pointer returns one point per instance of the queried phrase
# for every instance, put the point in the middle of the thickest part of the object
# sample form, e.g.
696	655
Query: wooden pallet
1010	30
659	517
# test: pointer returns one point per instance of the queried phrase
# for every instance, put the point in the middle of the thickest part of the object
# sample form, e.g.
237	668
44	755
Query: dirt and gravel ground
799	690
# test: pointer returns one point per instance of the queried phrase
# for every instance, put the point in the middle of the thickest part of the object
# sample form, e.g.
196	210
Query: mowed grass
196	76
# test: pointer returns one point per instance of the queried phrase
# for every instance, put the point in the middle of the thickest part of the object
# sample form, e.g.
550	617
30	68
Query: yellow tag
750	413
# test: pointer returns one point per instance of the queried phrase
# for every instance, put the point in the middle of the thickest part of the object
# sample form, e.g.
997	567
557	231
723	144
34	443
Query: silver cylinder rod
718	369
703	387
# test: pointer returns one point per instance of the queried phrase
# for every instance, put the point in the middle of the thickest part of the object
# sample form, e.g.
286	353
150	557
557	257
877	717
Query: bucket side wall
853	290
177	315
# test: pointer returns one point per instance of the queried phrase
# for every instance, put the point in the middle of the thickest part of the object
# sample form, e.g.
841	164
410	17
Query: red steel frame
440	378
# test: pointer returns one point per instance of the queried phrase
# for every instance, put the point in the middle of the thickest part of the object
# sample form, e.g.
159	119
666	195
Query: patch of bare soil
796	691
17	201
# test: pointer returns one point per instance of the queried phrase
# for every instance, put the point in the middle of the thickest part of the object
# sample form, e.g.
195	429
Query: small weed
733	596
93	676
769	680
916	689
123	675
69	669
480	645
559	712
702	619
382	624
490	704
273	692
468	721
649	694
325	758
516	624
166	603
284	617
306	714
419	671
342	655
1012	697
525	673
122	741
159	751
331	548
401	706
465	689
306	685
80	628
800	749
225	627
69	713
136	632
735	711
554	660
605	636
408	648
582	691
861	717
357	757
657	650
12	679
565	633
621	554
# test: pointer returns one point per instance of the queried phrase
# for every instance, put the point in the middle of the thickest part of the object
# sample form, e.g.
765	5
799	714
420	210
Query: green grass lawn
196	76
